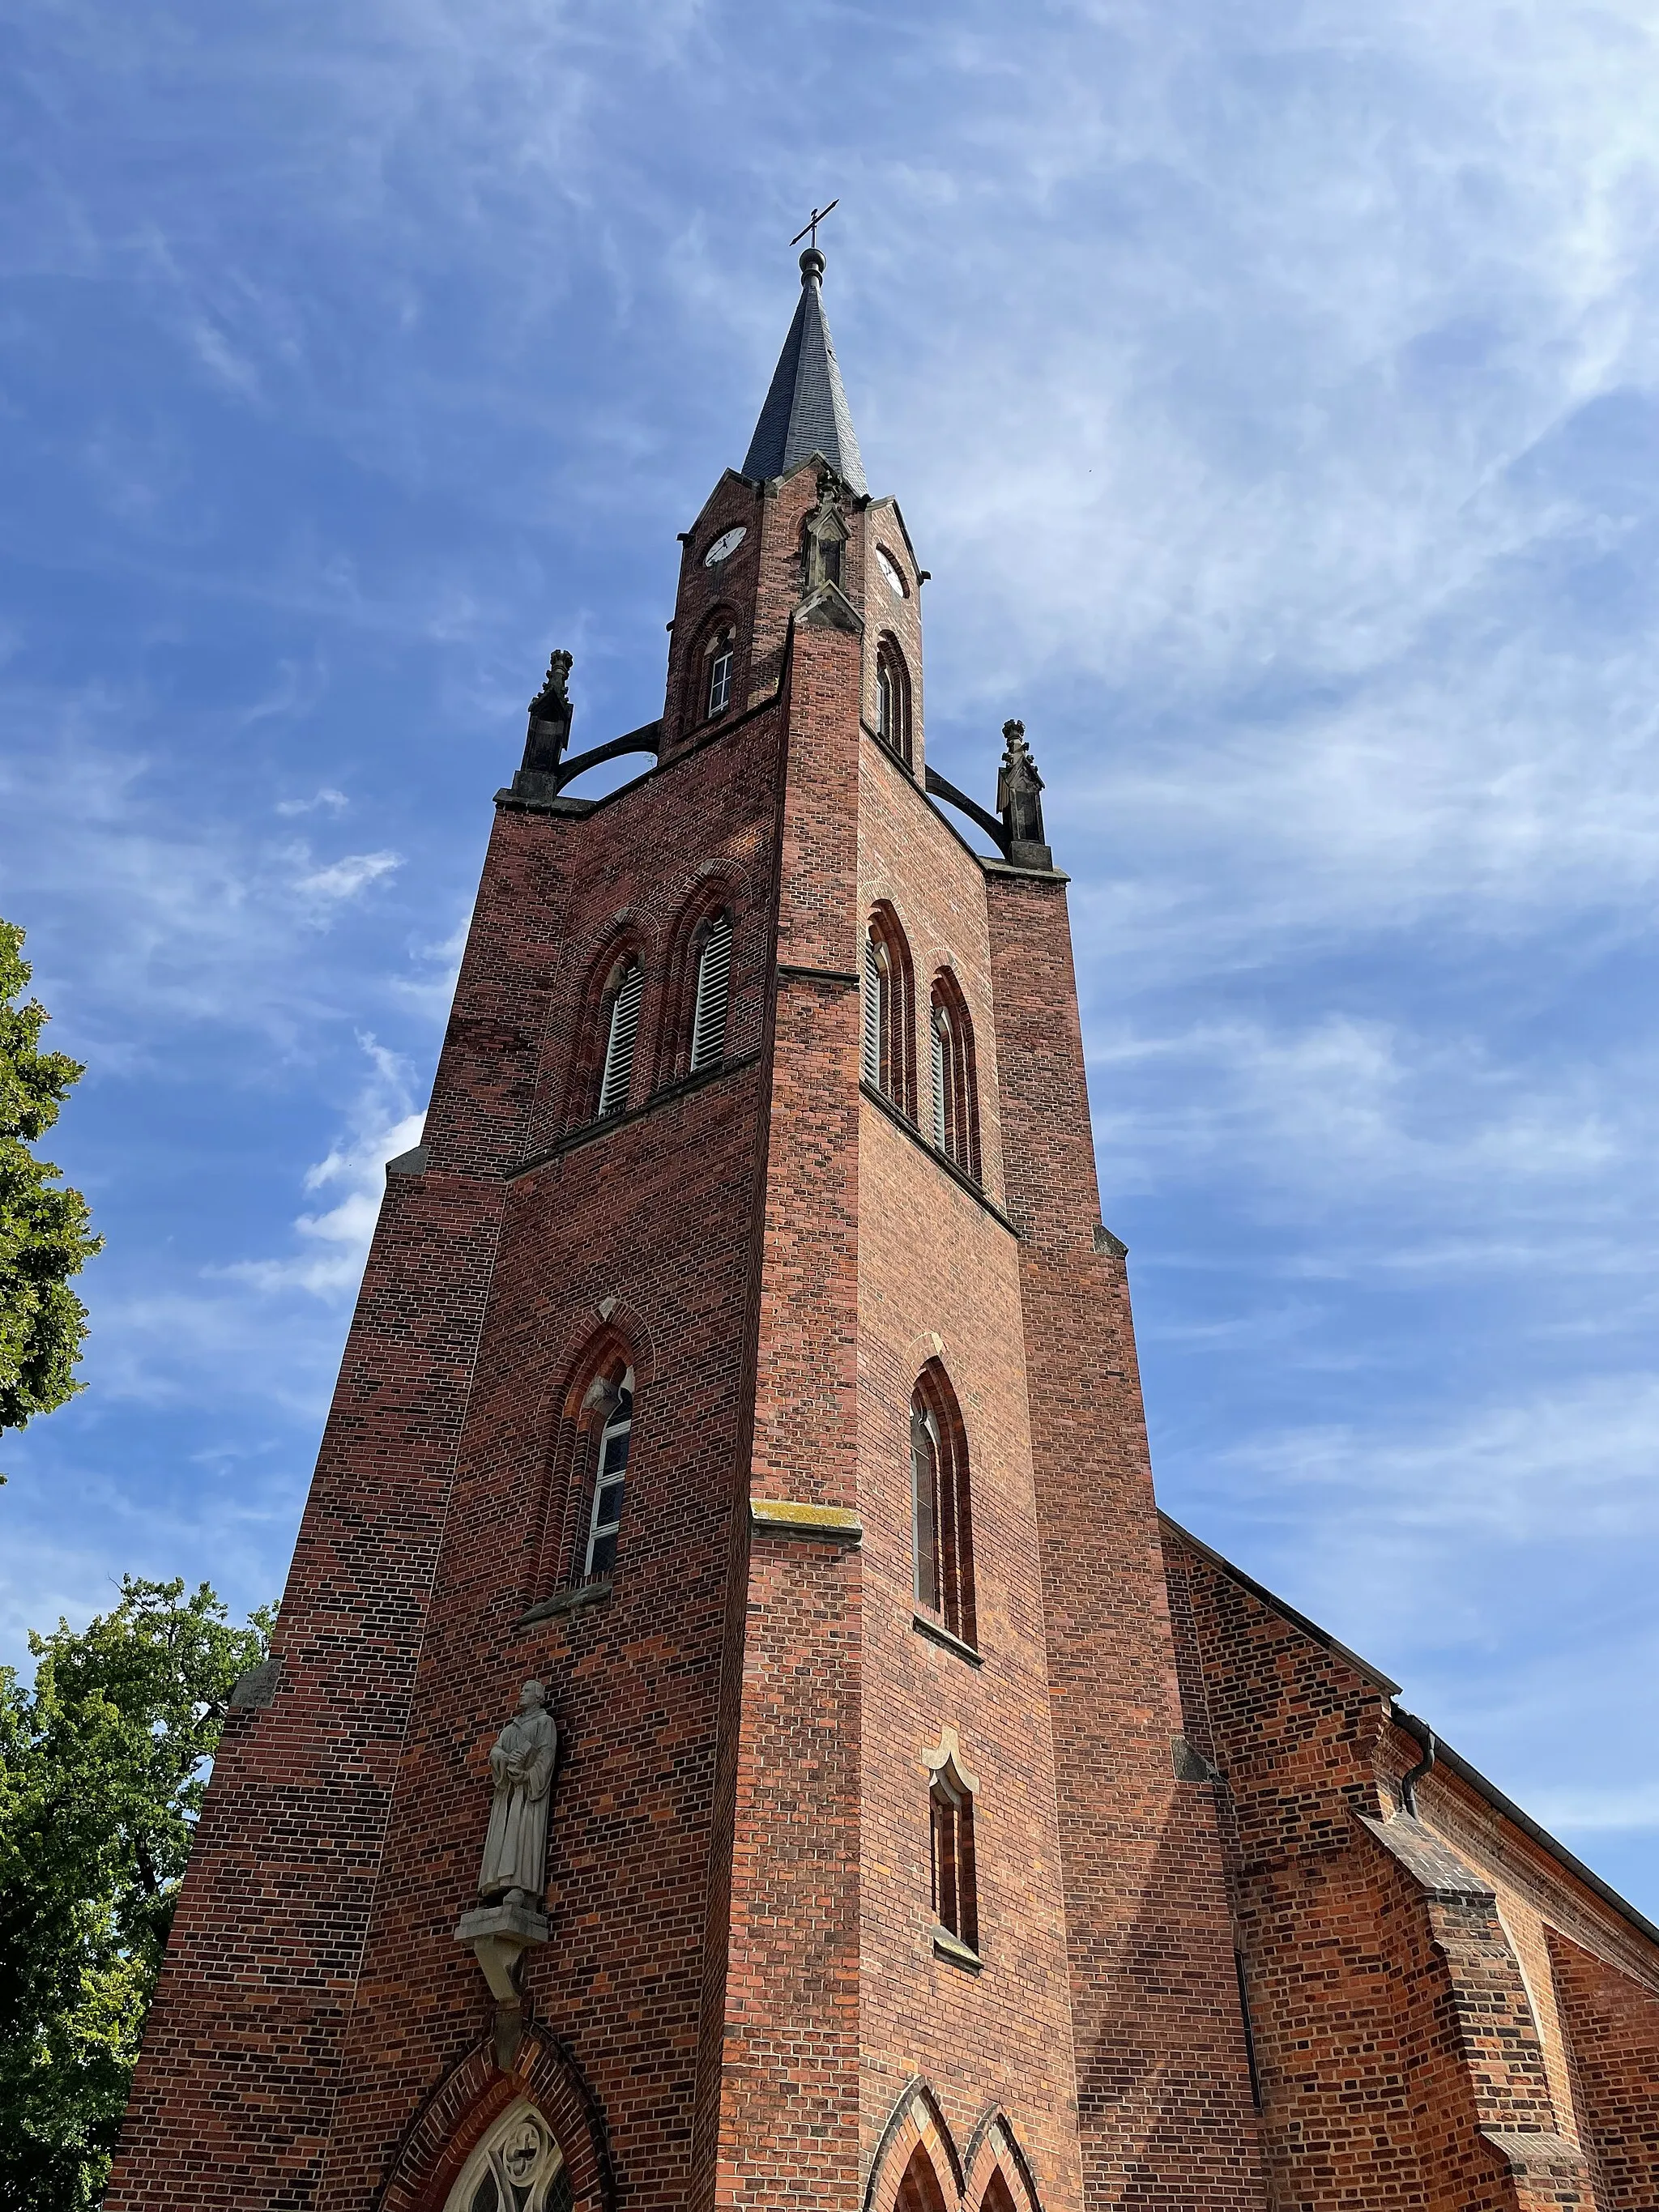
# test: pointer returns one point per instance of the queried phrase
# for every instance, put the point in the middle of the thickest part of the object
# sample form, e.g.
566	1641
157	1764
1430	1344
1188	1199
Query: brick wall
1612	2023
1413	2024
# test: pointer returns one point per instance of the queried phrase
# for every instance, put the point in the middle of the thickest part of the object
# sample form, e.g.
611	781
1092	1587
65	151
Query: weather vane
818	214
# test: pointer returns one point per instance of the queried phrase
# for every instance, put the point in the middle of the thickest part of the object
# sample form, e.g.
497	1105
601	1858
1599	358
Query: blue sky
1273	393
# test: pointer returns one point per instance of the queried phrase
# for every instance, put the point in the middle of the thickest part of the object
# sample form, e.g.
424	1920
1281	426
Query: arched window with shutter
714	995
955	1078
889	1053
623	1029
893	701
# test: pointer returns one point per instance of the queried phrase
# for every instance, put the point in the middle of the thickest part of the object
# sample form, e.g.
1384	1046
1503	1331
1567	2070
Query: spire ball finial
811	266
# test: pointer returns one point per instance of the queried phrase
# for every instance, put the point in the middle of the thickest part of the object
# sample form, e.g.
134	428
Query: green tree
44	1233
103	1765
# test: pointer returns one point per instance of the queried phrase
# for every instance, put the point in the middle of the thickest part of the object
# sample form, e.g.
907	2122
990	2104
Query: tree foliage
103	1765
45	1237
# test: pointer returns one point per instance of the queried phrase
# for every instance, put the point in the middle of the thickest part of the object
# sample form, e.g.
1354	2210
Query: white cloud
343	878
334	802
334	1242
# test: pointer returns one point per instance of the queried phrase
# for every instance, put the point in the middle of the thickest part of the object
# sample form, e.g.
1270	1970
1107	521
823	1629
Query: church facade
739	1732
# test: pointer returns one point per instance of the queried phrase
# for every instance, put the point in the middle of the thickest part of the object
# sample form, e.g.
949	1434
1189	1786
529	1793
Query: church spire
805	411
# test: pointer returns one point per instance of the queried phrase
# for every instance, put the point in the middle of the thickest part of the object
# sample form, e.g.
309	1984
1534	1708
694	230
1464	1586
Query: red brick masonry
1219	1965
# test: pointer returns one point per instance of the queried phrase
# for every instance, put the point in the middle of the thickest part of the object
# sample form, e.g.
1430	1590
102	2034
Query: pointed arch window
955	1084
889	1046
951	1795
622	1034
713	997
919	2190
517	2167
893	701
941	1519
717	685
609	1480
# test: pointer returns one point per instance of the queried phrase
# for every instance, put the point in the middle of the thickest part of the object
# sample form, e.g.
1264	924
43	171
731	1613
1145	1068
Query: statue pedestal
498	1933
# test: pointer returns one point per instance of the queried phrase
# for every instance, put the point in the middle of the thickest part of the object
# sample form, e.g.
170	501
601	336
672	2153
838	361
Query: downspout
1408	1782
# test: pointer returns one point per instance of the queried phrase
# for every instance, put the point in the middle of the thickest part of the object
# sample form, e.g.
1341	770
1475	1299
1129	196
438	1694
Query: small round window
517	2167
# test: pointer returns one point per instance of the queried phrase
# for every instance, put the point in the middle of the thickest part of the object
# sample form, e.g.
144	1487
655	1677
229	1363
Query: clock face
724	547
895	575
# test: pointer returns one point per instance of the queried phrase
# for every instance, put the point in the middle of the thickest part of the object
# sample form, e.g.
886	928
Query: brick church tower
742	1364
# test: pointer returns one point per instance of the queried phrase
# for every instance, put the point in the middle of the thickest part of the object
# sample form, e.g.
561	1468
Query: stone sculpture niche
508	1916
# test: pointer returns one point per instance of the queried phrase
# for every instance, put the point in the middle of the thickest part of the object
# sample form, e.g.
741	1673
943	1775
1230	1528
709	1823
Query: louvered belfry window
955	1099
714	995
878	1011
889	1049
619	1044
893	701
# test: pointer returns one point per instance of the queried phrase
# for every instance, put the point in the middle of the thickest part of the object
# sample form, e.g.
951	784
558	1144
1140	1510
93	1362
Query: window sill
951	1948
566	1601
589	1133
890	751
937	1632
942	1160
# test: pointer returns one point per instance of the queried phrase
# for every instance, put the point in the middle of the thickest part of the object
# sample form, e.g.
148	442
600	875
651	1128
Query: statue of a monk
521	1760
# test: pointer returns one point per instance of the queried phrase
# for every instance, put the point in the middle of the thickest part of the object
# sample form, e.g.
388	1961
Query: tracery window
713	995
893	701
941	1518
954	1077
517	2167
610	1480
889	1053
622	1033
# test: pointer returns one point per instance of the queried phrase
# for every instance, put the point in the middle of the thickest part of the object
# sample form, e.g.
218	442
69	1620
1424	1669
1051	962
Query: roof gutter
1443	1755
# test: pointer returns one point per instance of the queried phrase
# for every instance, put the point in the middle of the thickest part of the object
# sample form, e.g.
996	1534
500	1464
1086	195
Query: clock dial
724	547
895	575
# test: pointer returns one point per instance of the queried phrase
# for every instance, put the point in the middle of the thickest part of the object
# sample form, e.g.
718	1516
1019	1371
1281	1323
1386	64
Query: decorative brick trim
916	2120
443	2134
994	2148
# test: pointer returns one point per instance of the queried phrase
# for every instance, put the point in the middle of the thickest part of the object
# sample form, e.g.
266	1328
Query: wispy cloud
334	802
334	1242
339	879
1271	395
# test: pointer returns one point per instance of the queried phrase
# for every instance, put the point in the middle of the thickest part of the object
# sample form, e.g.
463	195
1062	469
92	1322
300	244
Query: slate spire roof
805	411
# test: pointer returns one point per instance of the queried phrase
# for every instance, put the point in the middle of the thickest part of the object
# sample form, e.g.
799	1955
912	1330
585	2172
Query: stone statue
515	1849
1019	801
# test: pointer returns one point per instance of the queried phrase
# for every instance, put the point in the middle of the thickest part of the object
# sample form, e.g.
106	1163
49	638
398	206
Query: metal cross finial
809	231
